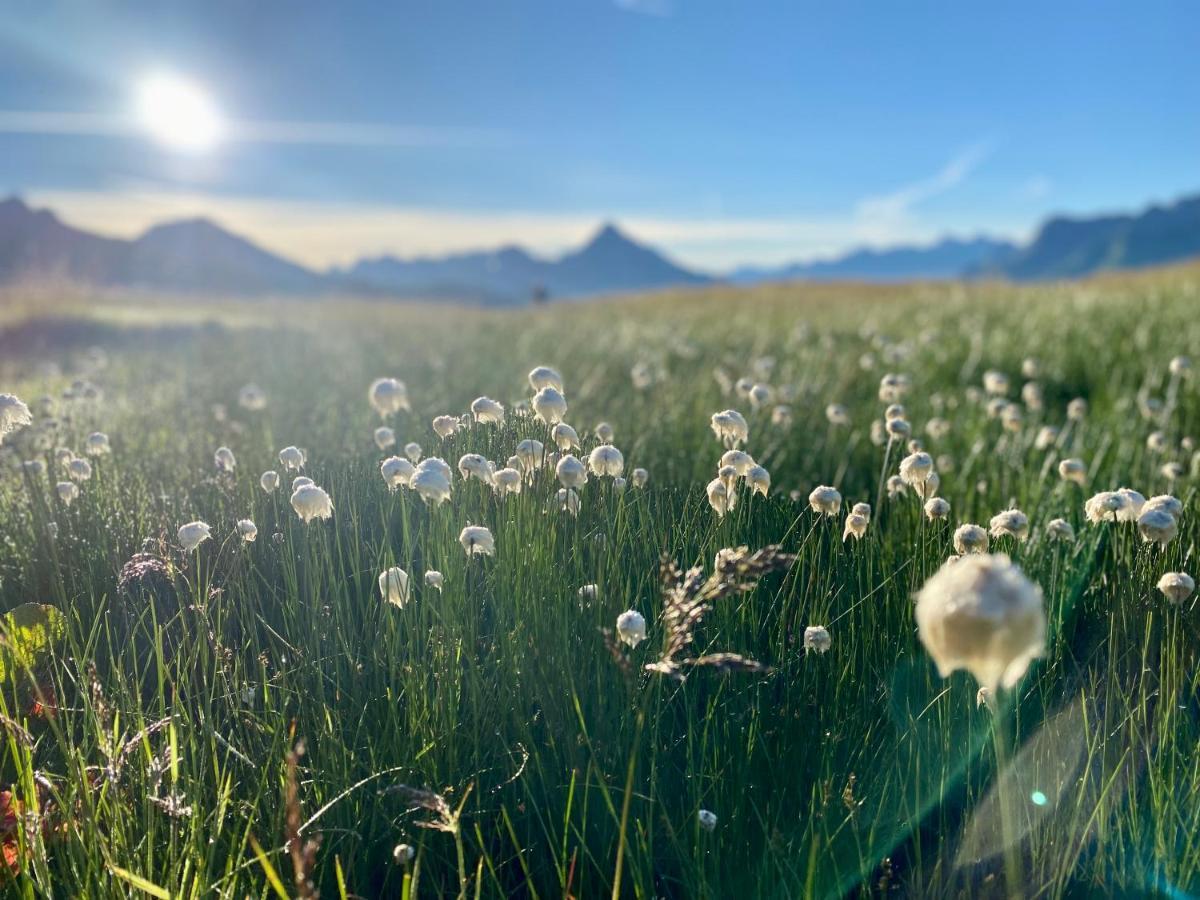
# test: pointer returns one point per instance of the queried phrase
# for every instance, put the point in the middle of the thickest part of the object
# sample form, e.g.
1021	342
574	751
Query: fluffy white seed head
445	426
565	437
980	613
639	477
730	427
606	460
1157	526
741	461
507	481
299	481
531	453
292	458
1103	507
248	530
631	627
1165	502
550	405
396	471
1060	530
825	500
937	508
759	480
384	437
97	444
604	433
969	538
916	468
269	481
1132	507
487	410
856	526
995	383
1074	470
434	579
816	638
413	451
388	396
1176	586
193	534
862	509
707	819
570	472
431	481
67	492
568	501
1077	409
393	586
543	377
14	414
837	414
79	469
252	398
224	460
472	465
718	496
476	539
311	502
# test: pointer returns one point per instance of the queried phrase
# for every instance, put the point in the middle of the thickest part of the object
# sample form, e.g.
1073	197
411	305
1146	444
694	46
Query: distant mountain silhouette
609	263
948	258
1069	247
198	256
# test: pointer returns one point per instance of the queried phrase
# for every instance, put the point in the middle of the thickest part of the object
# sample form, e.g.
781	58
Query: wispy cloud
340	134
1036	188
899	205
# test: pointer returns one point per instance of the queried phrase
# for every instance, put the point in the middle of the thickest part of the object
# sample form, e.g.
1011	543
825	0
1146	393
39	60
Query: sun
178	114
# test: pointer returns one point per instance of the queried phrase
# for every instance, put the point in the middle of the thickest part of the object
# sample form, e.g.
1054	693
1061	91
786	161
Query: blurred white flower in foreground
387	396
477	539
1073	469
631	627
14	414
393	586
224	460
67	491
384	437
311	502
252	398
982	614
248	530
193	534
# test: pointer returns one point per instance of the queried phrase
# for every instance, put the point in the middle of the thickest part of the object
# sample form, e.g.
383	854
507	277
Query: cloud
1036	188
338	134
899	205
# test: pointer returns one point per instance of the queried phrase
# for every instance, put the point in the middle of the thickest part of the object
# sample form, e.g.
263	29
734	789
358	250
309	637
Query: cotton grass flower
248	530
311	502
79	469
292	458
856	526
224	460
67	492
896	487
445	426
982	614
193	534
300	481
531	453
393	586
1046	438
1077	409
916	468
434	579
741	461
730	426
631	627
568	501
269	481
97	444
252	398
396	472
817	639
861	509
781	415
388	396
543	377
570	472
431	481
707	819
477	539
759	480
565	437
970	538
1157	526
718	497
487	411
413	451
14	414
606	460
1176	586
837	414
936	508
893	387
384	437
1074	470
604	433
550	405
1012	523
825	500
472	465
507	481
1060	530
639	477
995	383
1166	503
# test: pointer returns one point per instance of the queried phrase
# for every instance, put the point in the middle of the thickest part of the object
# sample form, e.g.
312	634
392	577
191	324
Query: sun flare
178	114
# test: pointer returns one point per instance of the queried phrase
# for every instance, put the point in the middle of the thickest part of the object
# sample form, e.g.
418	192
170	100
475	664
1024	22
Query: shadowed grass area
551	759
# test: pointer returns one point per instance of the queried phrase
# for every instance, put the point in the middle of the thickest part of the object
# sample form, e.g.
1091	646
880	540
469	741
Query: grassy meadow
253	719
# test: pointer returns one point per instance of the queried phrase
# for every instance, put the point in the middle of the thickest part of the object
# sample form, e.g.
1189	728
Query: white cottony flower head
816	638
970	538
604	433
531	453
507	481
1157	526
1180	365
487	410
631	627
639	477
1011	522
292	458
729	477
1132	507
252	398
606	460
760	395
862	509
588	592
477	539
63	455
311	502
730	426
445	426
384	437
550	405
619	484
782	416
14	414
568	501
718	497
937	508
544	376
759	480
837	414
1060	530
388	396
826	500
1073	469
248	530
193	534
916	468
995	383
269	480
856	526
393	586
894	411
434	579
565	437
893	387
981	613
472	465
571	472
97	444
741	461
896	487
396	471
1166	503
224	460
67	491
1031	396
300	481
1047	437
1103	507
431	481
707	819
412	450
1077	409
1176	586
79	469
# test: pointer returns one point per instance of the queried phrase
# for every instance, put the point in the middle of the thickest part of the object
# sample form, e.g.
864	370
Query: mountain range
198	256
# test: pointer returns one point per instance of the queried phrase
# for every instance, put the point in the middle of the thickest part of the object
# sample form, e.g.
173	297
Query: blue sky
724	132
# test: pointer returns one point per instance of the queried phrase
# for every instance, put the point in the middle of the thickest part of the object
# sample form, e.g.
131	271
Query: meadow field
192	706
